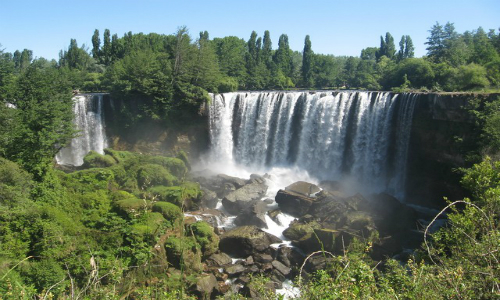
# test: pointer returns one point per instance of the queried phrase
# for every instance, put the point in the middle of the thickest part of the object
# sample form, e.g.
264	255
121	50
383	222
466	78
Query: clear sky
339	27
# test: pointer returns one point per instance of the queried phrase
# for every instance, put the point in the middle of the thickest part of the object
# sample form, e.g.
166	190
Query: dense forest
114	229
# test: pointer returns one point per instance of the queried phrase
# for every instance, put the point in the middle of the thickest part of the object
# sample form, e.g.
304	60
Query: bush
205	236
170	211
151	175
175	165
187	193
96	160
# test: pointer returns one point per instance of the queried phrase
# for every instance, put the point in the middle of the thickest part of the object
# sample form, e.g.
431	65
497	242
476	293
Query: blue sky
339	27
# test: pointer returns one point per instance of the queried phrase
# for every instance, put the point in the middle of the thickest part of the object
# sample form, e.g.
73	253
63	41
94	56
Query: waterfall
89	120
353	136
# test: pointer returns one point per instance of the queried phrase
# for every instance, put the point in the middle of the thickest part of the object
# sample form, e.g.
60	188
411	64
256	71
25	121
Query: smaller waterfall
89	120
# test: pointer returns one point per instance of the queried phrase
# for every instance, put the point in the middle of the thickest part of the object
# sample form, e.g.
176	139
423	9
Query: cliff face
153	136
442	130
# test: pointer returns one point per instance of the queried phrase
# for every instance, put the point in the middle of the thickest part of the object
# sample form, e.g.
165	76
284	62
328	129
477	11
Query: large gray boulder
246	240
205	286
254	214
236	201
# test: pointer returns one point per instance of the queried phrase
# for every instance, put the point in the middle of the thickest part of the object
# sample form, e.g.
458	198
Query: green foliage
179	195
15	184
205	236
96	160
169	211
151	174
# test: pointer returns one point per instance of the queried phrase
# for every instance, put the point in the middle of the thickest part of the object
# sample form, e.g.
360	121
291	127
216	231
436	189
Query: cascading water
353	136
89	120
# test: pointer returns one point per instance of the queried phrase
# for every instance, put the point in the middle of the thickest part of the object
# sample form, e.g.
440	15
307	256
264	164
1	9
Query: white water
89	120
360	138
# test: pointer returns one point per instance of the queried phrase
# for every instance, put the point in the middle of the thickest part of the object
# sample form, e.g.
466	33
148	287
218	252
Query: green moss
184	252
128	204
175	165
120	156
205	236
170	211
299	231
96	160
93	179
149	226
151	175
178	195
183	156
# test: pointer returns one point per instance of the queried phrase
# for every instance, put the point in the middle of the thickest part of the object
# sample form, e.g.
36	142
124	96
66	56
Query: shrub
170	211
152	174
178	195
96	160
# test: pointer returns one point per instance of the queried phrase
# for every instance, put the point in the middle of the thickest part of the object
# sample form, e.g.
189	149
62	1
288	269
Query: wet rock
254	214
255	178
394	216
303	188
263	258
241	198
284	270
209	198
246	240
249	261
293	203
273	214
233	270
219	259
289	256
235	181
205	286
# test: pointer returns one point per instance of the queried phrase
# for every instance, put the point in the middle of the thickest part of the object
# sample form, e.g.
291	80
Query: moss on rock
96	160
170	211
153	174
205	236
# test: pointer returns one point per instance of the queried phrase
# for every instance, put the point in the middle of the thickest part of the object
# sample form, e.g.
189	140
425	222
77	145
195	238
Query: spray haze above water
359	138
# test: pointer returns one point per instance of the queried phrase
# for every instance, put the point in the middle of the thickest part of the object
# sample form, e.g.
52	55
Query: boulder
289	256
209	198
205	286
293	203
246	240
303	188
394	217
254	214
281	268
219	259
255	178
233	270
235	181
241	198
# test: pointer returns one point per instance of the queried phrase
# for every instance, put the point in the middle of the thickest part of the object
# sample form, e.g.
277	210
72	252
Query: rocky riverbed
272	237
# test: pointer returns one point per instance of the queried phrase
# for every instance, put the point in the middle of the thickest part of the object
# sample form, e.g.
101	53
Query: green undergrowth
97	232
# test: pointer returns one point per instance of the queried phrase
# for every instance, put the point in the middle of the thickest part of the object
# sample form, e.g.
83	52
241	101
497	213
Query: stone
205	286
209	198
293	203
273	214
303	188
219	259
235	181
256	178
281	268
254	214
246	240
263	258
233	270
241	198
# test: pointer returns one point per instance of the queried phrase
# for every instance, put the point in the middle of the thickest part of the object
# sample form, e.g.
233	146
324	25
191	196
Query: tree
387	47
231	56
282	56
44	118
106	48
406	48
267	50
206	73
96	45
369	53
307	63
